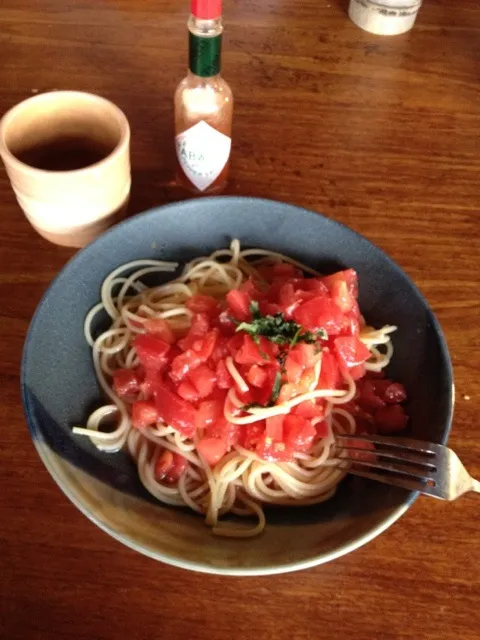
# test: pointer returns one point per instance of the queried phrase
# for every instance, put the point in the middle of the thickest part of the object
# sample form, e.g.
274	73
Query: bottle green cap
205	55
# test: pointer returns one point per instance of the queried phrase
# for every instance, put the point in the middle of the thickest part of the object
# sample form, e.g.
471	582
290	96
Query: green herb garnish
277	385
277	329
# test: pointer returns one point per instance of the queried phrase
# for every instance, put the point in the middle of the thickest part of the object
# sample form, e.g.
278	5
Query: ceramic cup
384	17
67	155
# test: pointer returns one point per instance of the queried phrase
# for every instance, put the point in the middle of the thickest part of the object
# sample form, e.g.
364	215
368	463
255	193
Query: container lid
207	9
384	17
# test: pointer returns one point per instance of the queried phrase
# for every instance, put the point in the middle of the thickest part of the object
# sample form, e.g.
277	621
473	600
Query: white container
384	17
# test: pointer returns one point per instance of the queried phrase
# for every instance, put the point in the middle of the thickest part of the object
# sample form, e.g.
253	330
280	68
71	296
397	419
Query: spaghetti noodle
245	477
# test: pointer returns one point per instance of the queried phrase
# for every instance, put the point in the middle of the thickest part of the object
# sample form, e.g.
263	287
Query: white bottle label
202	152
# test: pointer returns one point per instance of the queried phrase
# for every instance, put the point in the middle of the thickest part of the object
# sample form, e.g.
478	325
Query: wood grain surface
379	133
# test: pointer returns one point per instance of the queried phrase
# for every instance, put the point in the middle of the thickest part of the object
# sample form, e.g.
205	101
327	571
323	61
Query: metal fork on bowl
426	467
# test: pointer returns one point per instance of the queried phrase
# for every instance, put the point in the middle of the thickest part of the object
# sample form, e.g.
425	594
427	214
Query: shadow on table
342	4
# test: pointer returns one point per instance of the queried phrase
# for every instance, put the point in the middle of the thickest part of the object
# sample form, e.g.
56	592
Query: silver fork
419	466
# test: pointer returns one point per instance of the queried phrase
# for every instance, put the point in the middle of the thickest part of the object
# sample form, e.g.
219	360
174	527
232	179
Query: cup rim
44	97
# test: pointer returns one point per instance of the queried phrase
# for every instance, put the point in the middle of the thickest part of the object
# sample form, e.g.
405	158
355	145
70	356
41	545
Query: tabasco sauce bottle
204	105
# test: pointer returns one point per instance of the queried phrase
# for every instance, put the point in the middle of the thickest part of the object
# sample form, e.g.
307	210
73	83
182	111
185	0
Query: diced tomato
250	287
357	371
198	329
209	411
126	383
288	299
391	419
391	392
299	433
212	450
175	411
225	324
200	324
136	324
395	393
152	351
235	343
220	351
170	466
250	434
224	379
239	303
274	428
273	292
262	395
148	384
205	347
295	293
322	429
176	471
368	396
310	353
144	414
307	380
246	397
351	325
287	392
257	376
252	353
188	391
294	367
203	379
365	424
348	276
342	296
310	409
350	351
319	313
285	270
226	431
186	362
316	285
269	308
183	364
367	447
272	451
363	417
329	373
163	464
265	271
161	329
202	304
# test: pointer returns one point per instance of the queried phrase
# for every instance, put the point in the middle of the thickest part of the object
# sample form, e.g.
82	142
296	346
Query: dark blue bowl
59	386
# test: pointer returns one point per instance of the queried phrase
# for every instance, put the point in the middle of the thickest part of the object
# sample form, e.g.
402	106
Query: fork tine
406	444
398	481
392	468
423	462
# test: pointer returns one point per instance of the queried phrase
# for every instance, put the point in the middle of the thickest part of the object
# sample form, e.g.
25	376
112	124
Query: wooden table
379	133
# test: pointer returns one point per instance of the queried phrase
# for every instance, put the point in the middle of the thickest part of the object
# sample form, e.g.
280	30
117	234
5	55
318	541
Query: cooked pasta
228	383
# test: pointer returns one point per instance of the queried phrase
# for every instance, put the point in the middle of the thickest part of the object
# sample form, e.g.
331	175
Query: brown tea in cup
67	154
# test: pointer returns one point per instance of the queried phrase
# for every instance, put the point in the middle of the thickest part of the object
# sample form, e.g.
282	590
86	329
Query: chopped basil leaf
277	329
276	388
295	337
